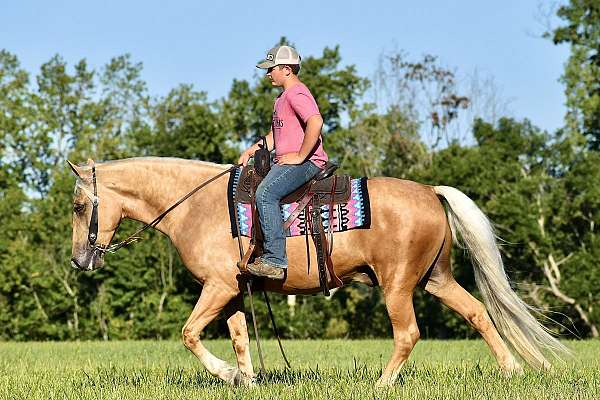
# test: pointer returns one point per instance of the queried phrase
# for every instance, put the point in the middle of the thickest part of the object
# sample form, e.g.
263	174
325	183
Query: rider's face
278	74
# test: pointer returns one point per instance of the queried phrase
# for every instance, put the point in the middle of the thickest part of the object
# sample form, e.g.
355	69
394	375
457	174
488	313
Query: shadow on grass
185	378
113	377
189	378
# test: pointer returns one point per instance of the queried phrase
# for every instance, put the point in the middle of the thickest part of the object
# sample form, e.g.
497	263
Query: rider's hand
289	159
244	158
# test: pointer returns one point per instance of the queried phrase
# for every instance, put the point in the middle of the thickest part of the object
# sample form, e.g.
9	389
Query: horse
413	228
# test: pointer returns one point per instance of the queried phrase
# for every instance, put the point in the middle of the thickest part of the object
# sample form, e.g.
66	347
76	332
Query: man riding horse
408	242
296	137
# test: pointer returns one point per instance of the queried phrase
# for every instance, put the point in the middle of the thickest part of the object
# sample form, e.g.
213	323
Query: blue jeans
279	182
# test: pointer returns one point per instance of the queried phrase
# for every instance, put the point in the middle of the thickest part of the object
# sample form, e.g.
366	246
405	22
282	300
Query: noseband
93	228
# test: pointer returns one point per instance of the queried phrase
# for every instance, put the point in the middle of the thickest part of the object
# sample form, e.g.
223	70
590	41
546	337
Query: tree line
539	188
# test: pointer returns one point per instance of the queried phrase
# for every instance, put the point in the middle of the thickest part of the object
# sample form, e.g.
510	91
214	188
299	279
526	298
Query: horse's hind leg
406	332
442	285
458	299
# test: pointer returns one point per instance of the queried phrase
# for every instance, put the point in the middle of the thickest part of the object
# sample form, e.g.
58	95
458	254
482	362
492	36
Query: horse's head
97	213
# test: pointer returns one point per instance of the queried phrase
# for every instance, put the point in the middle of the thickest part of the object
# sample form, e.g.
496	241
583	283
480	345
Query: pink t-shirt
292	109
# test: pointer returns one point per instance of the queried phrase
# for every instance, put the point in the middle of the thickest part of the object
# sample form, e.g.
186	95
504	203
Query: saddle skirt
351	207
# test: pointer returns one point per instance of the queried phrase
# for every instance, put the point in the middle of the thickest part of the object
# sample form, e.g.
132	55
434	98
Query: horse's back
405	197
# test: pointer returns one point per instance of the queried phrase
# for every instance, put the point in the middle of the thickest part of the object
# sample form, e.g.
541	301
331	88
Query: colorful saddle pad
356	213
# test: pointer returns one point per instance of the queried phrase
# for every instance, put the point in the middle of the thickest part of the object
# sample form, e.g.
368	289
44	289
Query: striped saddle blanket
354	214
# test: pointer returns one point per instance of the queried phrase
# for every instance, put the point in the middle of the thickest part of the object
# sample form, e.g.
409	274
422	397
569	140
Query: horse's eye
78	208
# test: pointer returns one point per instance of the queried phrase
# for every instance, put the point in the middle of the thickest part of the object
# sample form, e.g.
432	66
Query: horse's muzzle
93	260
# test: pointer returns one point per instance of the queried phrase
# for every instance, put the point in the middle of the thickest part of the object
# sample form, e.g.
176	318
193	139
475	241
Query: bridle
102	249
93	227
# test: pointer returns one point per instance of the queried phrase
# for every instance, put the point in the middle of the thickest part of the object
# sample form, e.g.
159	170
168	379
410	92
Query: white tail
510	314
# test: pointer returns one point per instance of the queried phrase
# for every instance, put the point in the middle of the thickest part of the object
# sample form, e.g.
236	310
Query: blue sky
208	44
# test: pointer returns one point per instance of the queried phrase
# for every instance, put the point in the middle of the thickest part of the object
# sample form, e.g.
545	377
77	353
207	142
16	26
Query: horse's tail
510	314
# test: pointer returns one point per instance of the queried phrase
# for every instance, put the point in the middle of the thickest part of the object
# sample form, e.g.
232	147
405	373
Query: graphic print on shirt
277	122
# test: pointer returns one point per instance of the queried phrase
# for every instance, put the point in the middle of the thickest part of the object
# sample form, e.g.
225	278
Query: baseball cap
280	55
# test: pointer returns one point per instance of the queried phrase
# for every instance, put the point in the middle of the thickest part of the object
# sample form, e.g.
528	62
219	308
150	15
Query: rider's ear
74	168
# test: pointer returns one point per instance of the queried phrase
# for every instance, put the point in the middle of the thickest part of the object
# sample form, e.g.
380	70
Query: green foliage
582	72
535	186
336	89
185	125
377	144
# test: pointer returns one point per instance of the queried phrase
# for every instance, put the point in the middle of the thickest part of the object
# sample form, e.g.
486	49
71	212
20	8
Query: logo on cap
280	55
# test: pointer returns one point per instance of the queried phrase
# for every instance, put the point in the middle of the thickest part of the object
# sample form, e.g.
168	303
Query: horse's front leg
213	299
236	321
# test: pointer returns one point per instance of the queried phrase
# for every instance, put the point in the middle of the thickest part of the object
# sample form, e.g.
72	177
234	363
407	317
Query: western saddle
324	189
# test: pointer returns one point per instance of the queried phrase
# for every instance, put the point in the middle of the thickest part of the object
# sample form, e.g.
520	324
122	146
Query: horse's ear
90	162
74	168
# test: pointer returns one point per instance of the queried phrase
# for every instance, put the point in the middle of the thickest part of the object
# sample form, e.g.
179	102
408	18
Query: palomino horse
409	242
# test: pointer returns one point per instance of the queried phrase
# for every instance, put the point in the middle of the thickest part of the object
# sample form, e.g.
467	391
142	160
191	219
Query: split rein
93	229
93	236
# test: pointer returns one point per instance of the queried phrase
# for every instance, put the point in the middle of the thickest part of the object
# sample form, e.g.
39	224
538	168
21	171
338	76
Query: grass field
321	370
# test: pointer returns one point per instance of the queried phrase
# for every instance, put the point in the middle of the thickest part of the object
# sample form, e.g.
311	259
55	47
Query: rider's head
282	63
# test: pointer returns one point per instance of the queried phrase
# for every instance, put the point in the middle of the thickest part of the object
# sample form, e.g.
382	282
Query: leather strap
243	263
317	234
334	278
257	236
306	225
330	225
260	356
93	229
276	330
301	206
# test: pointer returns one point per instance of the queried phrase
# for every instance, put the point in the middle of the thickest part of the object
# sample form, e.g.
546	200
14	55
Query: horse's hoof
250	381
383	383
241	379
513	369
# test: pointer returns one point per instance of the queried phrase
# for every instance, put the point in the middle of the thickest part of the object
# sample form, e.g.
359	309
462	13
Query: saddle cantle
321	188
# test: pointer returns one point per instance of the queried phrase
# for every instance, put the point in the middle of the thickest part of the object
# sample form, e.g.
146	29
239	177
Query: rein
93	236
93	230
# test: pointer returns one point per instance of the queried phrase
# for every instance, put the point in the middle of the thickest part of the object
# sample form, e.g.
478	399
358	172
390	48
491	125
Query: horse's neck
149	187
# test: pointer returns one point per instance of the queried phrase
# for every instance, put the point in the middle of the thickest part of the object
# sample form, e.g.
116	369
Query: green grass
321	370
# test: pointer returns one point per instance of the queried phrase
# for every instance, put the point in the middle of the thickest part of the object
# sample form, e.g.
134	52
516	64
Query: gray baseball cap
280	55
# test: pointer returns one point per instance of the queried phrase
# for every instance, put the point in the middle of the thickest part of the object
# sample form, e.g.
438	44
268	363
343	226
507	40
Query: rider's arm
249	152
254	147
311	135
